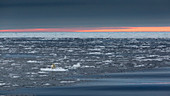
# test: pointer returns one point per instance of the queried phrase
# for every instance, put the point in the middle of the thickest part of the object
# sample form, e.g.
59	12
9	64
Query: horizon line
93	29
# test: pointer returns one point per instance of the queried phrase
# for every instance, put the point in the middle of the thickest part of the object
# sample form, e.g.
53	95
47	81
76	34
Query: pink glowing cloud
93	29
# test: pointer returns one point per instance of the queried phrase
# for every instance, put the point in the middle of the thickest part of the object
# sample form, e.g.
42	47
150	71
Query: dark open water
153	82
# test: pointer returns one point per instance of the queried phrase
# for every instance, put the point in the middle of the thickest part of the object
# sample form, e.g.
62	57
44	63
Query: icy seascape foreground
21	59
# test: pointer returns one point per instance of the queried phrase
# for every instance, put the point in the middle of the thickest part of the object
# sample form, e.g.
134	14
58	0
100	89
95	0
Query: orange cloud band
94	29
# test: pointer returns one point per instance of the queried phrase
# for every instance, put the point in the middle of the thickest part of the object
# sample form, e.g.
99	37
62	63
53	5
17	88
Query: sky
84	16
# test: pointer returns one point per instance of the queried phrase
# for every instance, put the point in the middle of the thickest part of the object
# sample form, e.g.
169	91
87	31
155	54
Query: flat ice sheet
56	69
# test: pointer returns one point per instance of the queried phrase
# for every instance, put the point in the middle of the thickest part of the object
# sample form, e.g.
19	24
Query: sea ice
32	61
67	81
56	69
76	66
1	84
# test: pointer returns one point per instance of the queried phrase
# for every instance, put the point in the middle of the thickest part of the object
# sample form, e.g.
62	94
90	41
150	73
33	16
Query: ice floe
142	65
2	84
46	84
56	69
33	61
157	59
13	75
75	66
86	66
14	64
94	53
67	81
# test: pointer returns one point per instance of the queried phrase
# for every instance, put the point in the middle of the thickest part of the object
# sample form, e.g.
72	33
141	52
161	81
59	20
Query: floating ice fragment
15	85
32	61
88	66
67	81
56	69
32	52
42	72
43	75
157	59
46	84
31	73
94	53
153	55
142	65
109	53
15	76
1	84
34	68
70	50
74	66
96	49
14	64
53	54
108	61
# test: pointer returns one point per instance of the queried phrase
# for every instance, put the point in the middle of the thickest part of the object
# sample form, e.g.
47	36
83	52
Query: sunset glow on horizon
93	29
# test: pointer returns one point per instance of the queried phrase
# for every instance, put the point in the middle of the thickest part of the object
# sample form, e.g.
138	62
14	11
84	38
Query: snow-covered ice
56	69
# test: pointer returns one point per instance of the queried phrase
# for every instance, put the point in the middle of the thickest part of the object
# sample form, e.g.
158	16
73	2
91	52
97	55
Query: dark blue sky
83	13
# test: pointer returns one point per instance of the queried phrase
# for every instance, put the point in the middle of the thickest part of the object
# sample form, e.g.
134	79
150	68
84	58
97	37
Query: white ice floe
109	53
53	54
15	85
28	48
78	65
13	75
139	57
94	53
67	81
46	84
43	75
74	59
1	84
108	61
34	68
132	46
31	73
56	69
56	63
7	61
95	49
153	56
70	50
33	52
14	64
42	72
101	46
165	57
157	59
88	66
32	61
75	66
4	48
142	65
